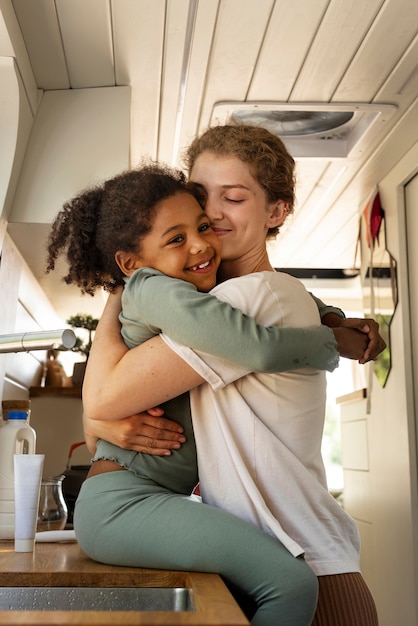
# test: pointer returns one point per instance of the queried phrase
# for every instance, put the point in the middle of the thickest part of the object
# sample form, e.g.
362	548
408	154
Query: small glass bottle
53	510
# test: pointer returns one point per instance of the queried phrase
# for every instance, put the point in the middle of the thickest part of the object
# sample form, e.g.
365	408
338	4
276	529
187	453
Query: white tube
28	476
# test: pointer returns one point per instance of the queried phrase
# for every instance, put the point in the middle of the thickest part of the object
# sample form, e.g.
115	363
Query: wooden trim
359	394
55	392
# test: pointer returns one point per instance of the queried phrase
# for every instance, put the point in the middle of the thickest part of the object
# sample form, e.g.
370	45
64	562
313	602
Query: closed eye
233	200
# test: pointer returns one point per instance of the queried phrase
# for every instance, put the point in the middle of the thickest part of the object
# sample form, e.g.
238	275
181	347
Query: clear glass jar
53	510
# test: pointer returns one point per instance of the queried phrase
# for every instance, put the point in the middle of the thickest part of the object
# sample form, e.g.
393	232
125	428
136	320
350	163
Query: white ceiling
181	58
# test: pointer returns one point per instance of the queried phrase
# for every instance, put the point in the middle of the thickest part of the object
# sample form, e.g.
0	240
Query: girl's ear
277	214
127	261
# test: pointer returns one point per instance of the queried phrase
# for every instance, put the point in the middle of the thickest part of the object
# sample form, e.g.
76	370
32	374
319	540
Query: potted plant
83	343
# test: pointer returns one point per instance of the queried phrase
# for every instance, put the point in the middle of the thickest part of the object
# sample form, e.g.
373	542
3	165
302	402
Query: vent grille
332	131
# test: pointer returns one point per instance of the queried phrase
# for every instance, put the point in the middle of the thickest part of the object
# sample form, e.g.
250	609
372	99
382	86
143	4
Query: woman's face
181	244
236	204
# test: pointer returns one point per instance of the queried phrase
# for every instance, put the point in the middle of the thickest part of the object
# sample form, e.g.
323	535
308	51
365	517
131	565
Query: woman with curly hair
246	204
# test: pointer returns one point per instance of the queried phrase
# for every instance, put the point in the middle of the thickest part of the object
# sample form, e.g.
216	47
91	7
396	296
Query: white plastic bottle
16	437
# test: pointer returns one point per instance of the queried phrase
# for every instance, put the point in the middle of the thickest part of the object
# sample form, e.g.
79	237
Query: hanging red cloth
373	215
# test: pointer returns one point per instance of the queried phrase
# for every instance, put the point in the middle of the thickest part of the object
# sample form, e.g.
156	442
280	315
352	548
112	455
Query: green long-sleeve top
154	303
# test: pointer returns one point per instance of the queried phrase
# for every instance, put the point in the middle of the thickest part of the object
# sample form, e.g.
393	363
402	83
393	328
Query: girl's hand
349	344
376	343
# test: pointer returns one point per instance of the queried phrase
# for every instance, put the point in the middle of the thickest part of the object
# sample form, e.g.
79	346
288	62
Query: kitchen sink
59	584
95	599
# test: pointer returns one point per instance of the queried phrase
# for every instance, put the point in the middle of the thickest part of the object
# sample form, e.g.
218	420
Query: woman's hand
147	432
350	344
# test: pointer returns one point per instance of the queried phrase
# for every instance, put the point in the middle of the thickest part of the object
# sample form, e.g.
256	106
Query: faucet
43	340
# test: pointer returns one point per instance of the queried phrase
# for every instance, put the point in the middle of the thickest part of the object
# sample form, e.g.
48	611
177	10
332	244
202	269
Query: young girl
143	219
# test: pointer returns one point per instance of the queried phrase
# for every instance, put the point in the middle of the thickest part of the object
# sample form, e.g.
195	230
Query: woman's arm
110	390
121	382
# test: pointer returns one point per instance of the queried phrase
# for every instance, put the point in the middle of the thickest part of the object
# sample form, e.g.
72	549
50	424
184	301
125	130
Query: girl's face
236	204
180	244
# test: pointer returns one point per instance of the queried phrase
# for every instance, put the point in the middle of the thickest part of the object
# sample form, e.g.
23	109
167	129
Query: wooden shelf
55	392
359	394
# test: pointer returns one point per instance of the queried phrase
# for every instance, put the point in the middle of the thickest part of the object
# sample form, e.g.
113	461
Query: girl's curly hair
270	163
111	216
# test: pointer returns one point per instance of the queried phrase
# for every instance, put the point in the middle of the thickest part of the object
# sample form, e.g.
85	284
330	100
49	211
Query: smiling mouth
220	231
201	266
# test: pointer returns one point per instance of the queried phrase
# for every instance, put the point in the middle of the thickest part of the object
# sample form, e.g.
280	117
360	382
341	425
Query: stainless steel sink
95	599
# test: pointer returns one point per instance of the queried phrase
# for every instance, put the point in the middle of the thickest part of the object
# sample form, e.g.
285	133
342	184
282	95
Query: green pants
121	519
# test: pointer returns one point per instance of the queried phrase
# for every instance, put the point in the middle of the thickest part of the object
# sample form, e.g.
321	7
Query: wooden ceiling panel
308	172
335	235
188	120
175	33
286	44
389	36
300	240
238	36
322	247
401	86
337	210
340	34
315	205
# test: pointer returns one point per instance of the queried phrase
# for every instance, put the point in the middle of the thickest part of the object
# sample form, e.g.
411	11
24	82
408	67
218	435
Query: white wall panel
41	30
12	44
139	41
87	37
80	137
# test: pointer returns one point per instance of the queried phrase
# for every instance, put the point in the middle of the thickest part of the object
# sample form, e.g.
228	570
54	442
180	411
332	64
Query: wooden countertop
65	565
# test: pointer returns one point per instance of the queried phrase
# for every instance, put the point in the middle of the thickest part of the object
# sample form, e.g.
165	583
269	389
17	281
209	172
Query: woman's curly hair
111	216
270	163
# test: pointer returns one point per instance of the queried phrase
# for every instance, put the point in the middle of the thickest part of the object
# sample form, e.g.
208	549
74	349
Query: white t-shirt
259	436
